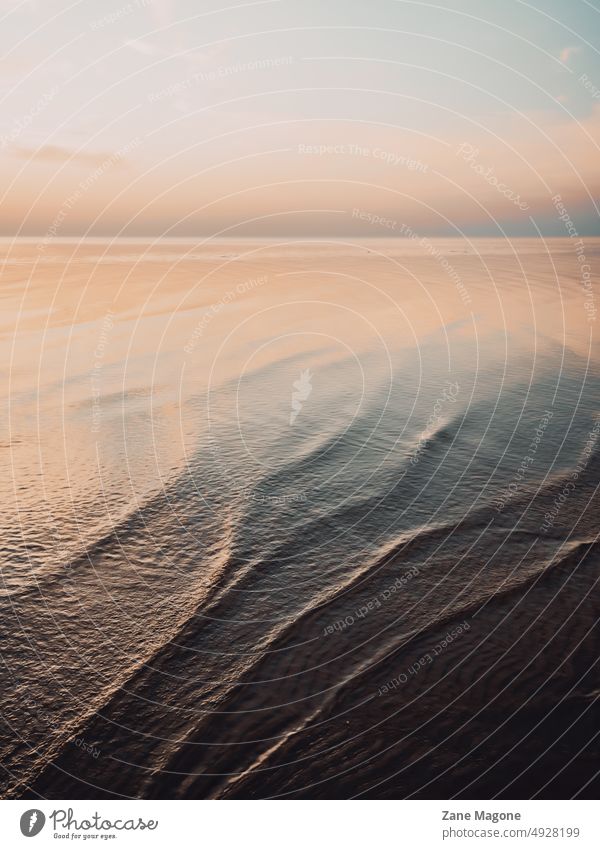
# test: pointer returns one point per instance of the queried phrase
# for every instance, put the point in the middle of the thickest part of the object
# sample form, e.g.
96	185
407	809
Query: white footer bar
302	824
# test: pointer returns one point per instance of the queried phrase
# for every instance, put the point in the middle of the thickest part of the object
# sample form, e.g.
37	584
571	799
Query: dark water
393	595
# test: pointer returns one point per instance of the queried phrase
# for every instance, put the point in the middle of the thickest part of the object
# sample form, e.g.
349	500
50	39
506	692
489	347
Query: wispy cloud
139	45
191	58
161	12
53	153
566	53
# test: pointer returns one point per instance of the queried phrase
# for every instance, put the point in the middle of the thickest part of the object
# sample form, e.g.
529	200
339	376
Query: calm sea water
306	519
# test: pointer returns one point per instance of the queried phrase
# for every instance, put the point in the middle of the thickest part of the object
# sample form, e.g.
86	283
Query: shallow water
299	519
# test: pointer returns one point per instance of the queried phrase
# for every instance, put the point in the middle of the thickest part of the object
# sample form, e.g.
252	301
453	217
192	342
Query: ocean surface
299	519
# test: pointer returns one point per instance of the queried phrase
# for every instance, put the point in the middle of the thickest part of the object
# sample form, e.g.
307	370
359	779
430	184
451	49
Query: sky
178	118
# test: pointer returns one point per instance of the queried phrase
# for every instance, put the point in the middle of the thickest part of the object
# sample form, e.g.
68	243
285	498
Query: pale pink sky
152	118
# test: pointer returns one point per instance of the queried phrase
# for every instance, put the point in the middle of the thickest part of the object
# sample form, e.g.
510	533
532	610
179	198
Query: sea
299	518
